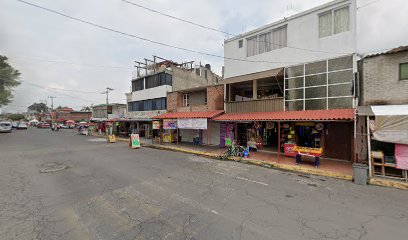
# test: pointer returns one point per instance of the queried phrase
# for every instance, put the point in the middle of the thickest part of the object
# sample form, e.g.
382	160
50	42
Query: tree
16	117
38	108
8	80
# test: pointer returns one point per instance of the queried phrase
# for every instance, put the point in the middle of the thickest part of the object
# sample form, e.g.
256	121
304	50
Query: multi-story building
383	105
293	82
189	115
152	83
112	111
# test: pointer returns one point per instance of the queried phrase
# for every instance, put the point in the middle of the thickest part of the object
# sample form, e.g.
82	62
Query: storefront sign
169	124
189	123
156	124
288	149
135	140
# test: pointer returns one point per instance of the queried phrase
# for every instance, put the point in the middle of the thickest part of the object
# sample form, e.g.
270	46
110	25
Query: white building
311	41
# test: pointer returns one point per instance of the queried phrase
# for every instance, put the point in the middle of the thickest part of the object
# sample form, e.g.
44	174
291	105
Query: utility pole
108	89
52	101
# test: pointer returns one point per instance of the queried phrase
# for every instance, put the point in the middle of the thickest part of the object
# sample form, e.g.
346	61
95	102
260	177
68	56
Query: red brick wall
215	98
174	100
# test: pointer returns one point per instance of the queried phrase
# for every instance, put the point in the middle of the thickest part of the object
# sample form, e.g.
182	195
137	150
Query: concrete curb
266	164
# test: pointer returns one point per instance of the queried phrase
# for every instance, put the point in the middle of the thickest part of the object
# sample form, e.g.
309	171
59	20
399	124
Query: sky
75	62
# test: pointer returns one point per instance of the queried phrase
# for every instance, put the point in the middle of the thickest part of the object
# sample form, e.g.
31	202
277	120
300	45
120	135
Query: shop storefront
327	131
387	140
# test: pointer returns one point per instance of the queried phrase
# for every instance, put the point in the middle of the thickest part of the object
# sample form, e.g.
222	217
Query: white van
5	126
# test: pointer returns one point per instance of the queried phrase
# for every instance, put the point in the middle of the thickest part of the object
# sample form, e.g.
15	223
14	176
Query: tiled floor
337	166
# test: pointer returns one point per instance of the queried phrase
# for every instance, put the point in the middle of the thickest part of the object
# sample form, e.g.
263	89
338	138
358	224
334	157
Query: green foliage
16	117
38	108
8	80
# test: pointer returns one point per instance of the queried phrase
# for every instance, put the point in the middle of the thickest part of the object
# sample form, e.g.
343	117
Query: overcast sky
54	53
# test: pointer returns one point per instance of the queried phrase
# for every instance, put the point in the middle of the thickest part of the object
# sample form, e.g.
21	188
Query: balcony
259	105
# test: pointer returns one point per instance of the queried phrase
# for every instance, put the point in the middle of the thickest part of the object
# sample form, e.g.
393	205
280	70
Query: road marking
242	178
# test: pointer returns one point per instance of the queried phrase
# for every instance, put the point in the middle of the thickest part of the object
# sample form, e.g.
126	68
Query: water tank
208	66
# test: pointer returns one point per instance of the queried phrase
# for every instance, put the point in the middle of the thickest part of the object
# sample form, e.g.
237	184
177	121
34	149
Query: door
338	141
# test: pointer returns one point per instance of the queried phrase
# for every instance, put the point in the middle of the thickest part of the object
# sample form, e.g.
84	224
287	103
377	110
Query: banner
169	124
156	124
189	123
135	140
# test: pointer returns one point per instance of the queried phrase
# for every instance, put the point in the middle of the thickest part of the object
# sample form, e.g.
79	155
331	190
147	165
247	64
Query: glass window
294	83
294	94
240	43
163	104
264	42
186	100
316	67
252	46
338	103
279	38
315	104
137	85
325	24
340	90
294	105
403	71
316	92
341	63
130	105
294	71
341	20
169	79
341	77
316	80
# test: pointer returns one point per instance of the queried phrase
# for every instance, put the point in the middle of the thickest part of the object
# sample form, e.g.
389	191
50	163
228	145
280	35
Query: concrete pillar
254	89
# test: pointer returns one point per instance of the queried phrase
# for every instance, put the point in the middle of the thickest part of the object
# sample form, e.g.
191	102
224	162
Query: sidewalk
327	168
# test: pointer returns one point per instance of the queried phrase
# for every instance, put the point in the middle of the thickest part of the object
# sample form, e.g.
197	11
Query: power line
143	38
222	31
367	4
179	19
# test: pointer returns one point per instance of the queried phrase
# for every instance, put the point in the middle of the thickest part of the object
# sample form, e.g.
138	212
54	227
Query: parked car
22	126
43	125
14	124
5	126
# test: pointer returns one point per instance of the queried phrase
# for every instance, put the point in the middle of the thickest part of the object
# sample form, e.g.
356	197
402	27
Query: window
109	109
240	43
279	38
185	100
148	105
264	42
403	71
205	98
334	22
252	46
138	85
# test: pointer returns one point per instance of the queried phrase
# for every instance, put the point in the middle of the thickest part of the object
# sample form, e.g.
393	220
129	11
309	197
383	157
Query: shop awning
184	115
391	122
308	115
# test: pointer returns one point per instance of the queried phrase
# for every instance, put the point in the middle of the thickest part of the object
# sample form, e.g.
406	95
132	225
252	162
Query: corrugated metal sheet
392	51
309	115
176	115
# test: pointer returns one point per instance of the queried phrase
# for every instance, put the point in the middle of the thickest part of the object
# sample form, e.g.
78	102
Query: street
60	185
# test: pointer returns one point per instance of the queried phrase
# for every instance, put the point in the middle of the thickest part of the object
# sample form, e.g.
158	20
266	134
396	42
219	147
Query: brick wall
380	80
215	98
174	100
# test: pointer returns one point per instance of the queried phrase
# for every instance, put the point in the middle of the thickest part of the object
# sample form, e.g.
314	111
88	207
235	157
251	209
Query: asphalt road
59	185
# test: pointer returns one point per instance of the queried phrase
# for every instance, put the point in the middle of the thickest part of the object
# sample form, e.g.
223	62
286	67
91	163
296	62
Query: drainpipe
370	171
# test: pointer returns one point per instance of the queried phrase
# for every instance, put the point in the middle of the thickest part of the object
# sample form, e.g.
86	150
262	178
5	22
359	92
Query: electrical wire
367	4
143	38
227	33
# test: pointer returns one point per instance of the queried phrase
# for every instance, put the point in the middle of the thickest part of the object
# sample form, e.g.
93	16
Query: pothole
52	167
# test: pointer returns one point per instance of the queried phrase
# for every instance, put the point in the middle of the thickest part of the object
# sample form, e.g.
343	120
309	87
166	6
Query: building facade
151	85
103	112
382	124
295	82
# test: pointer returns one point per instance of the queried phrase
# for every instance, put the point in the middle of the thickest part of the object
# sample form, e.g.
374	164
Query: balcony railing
259	105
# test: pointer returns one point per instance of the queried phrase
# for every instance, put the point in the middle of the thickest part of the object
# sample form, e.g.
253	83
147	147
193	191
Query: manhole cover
51	167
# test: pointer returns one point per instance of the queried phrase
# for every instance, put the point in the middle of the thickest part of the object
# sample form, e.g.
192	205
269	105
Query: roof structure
308	115
392	51
180	115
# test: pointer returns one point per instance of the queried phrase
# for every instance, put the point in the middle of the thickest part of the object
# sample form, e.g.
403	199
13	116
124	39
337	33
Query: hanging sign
169	124
135	141
156	124
189	123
